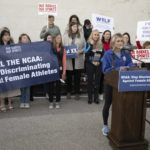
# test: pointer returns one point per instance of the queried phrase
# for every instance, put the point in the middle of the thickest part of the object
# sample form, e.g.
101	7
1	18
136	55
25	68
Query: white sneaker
22	105
26	105
51	106
105	130
57	106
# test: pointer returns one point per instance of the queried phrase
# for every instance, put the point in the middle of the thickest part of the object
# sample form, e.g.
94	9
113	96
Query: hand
139	64
47	30
95	63
79	52
123	69
63	77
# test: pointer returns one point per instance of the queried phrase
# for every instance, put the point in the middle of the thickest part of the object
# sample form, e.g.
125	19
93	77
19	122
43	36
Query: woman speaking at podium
117	59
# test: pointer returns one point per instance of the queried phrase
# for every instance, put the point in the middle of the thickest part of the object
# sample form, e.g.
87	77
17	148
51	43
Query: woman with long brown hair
5	39
74	65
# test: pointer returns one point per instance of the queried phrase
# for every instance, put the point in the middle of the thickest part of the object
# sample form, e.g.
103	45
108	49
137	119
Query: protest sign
71	51
143	31
47	9
102	23
134	81
141	54
23	65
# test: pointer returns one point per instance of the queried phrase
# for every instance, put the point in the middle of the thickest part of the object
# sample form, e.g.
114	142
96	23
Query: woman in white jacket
74	65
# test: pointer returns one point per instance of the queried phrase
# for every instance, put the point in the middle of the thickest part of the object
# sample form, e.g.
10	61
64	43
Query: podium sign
134	81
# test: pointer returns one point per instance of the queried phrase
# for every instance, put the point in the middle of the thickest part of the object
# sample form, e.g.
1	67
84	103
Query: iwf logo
13	49
8	50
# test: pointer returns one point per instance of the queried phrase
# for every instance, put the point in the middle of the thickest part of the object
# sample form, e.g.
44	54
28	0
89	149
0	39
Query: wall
21	16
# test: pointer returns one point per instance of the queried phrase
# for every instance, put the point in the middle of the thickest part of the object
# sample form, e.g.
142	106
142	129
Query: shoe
3	108
10	107
57	106
77	97
26	105
105	130
96	101
22	105
68	96
90	102
51	106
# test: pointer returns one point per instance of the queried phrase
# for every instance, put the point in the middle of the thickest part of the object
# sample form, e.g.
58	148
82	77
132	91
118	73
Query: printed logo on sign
13	49
8	50
104	20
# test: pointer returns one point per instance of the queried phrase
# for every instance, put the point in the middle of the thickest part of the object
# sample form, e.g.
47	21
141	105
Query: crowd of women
96	55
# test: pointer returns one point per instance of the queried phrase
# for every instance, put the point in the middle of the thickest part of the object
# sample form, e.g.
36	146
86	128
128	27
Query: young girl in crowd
118	60
25	92
93	54
61	55
75	65
5	39
49	38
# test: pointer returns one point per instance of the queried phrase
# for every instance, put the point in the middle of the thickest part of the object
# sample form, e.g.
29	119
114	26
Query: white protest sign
143	31
47	9
141	54
102	23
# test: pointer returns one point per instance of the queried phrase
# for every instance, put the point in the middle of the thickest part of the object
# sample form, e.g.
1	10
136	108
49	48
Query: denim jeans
25	95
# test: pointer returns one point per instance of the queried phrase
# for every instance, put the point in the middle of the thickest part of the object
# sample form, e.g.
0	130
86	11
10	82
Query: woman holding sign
76	64
25	92
93	54
113	59
5	39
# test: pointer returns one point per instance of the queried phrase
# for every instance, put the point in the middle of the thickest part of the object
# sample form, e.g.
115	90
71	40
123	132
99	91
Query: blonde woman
93	54
113	59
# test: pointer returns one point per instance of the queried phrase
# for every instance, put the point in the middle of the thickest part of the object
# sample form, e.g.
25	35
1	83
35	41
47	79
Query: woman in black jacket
93	54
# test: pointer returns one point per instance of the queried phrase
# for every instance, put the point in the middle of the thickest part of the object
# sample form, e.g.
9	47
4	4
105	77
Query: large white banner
143	31
102	23
47	9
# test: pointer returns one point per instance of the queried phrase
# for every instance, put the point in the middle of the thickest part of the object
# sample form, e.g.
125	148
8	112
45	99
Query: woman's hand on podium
123	68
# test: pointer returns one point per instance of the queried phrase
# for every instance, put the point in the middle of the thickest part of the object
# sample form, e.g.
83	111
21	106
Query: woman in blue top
113	59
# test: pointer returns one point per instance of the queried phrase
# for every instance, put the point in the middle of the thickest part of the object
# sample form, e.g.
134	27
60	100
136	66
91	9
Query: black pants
57	89
93	73
31	93
148	95
76	74
108	102
101	88
46	88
